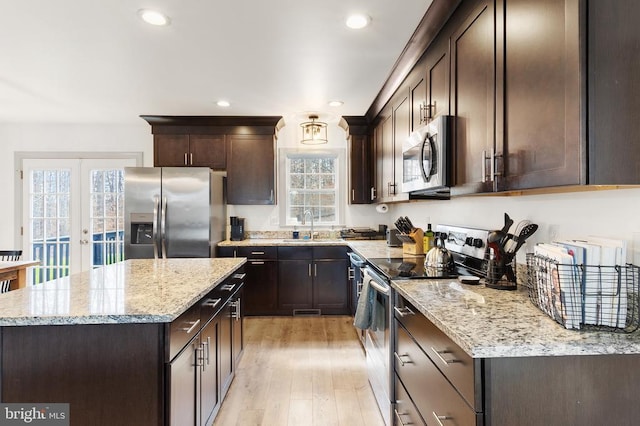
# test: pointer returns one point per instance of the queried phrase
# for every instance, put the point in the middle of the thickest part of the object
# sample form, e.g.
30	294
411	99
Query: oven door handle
380	288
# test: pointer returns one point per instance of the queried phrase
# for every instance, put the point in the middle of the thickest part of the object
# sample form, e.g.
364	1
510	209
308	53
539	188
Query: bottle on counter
428	239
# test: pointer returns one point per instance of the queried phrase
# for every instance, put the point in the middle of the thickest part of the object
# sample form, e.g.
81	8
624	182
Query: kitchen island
496	359
104	340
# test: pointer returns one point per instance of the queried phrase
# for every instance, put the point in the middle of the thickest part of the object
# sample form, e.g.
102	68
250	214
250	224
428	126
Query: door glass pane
107	220
50	223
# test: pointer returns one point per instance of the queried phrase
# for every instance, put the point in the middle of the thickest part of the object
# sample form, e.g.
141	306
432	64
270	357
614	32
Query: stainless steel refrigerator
173	212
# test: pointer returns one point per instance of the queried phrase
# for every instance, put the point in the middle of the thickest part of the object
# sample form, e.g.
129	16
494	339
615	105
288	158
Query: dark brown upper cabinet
613	109
182	150
243	146
539	92
251	170
418	94
360	151
473	98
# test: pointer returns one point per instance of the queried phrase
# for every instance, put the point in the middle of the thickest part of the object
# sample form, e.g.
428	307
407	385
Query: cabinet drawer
295	253
404	411
328	252
446	355
258	252
430	391
183	329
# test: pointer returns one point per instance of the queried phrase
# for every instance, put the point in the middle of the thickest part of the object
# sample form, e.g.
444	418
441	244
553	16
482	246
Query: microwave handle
428	173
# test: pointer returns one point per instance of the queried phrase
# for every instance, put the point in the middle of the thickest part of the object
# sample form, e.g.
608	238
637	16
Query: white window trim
341	180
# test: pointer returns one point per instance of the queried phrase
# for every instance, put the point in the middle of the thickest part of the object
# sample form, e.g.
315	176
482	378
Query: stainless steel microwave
426	158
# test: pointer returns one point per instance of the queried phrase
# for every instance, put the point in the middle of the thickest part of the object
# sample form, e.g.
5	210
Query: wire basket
590	297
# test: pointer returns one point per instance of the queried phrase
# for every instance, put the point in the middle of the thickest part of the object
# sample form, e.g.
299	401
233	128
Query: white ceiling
84	61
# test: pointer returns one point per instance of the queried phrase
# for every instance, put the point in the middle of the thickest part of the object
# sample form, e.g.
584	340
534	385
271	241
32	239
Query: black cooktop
399	268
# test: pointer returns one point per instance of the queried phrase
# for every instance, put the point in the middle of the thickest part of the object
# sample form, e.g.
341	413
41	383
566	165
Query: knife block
417	246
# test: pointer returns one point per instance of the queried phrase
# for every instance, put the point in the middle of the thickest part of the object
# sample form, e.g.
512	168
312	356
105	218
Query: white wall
60	138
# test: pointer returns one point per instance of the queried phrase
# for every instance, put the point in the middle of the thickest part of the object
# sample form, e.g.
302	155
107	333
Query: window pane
327	165
297	182
97	180
311	199
297	165
327	199
327	182
37	177
327	214
296	199
64	184
312	166
313	182
37	208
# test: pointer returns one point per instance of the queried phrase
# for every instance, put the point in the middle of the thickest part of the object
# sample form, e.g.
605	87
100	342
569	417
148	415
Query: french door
73	214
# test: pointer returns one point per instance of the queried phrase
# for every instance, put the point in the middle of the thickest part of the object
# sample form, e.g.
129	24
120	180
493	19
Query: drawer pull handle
404	311
239	276
400	360
398	416
257	263
194	324
212	303
438	418
228	287
260	253
439	355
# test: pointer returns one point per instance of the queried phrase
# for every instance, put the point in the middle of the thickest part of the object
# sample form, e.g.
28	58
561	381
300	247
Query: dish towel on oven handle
364	309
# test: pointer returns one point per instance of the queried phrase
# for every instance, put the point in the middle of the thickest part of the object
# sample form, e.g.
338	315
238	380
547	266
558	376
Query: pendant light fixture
313	132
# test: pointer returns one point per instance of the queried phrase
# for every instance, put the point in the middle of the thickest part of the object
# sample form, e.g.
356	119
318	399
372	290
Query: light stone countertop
489	323
133	291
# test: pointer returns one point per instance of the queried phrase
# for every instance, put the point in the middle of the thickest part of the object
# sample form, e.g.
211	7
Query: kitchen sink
309	240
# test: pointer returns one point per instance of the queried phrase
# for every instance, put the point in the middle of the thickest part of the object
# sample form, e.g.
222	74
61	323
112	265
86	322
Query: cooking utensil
511	240
508	222
525	233
439	257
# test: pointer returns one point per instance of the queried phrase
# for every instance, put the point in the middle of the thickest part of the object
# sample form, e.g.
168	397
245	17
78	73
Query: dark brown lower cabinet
130	374
313	280
446	386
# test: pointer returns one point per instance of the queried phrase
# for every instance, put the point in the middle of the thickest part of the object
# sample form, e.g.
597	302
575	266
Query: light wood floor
300	371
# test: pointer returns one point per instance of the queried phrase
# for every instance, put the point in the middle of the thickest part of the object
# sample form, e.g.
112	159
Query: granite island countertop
133	291
488	323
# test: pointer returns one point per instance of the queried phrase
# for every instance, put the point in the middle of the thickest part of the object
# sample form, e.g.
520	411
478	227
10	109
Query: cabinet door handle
205	350
351	274
309	269
439	418
353	194
257	262
492	164
440	353
185	159
373	193
212	303
228	287
359	288
240	276
484	166
236	311
315	269
257	253
193	325
271	196
404	311
400	418
191	158
199	358
400	360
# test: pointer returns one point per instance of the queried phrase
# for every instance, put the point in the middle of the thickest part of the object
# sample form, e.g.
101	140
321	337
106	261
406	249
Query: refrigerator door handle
163	227
154	235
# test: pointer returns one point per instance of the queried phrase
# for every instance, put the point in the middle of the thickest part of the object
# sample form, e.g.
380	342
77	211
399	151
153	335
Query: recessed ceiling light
223	104
357	21
154	17
336	103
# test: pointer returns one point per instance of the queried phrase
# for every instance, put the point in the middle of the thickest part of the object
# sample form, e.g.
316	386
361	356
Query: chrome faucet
304	221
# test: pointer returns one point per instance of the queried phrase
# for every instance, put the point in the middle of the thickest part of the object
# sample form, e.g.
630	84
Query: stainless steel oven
378	341
426	157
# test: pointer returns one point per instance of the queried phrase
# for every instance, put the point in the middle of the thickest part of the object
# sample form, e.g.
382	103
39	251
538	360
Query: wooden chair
8	255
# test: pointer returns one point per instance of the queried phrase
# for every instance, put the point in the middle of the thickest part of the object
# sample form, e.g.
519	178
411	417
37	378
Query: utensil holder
501	274
416	246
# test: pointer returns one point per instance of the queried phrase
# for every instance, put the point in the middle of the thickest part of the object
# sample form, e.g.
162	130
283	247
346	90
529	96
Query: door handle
163	226
185	159
154	234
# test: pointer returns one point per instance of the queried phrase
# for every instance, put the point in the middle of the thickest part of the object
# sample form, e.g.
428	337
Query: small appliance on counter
237	228
392	238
